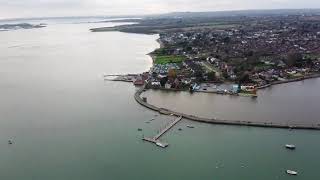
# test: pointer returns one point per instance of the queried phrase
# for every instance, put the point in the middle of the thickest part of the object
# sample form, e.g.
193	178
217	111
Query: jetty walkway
144	103
155	139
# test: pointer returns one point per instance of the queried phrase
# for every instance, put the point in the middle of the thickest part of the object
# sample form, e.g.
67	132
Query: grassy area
169	59
263	66
160	52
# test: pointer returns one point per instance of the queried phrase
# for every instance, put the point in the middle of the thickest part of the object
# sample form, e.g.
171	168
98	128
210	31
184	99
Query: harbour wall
137	97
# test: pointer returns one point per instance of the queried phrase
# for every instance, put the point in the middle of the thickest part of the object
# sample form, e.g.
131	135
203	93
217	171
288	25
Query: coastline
260	87
137	97
151	53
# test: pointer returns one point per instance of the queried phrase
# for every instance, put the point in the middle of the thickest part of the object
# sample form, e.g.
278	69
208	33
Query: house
138	82
167	86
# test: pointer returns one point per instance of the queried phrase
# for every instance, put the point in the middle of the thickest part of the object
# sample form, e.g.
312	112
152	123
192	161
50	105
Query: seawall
137	97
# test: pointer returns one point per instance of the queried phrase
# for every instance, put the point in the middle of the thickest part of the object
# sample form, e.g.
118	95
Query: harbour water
66	122
293	103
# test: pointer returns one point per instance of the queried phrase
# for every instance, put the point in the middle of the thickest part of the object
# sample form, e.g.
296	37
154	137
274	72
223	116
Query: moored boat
163	145
290	172
10	141
290	146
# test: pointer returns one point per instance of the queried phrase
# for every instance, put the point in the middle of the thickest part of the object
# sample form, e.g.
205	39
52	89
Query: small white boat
163	145
189	126
290	146
290	172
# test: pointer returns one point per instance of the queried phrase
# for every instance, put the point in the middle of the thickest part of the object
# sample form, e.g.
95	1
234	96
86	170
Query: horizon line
156	14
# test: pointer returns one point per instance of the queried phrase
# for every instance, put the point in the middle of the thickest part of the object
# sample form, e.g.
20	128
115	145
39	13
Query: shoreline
312	76
151	53
137	97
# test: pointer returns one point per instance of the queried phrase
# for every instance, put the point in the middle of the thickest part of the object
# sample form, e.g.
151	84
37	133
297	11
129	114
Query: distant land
249	49
254	12
7	27
177	21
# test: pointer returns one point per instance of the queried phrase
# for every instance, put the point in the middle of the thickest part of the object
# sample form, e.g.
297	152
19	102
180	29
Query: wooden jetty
155	139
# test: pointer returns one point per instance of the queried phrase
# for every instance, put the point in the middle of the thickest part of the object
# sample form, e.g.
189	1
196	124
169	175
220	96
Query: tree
172	74
226	39
198	74
163	81
189	48
293	59
211	76
225	74
244	78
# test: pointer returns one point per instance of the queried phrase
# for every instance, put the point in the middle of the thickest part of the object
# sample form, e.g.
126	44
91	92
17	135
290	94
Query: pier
118	77
155	139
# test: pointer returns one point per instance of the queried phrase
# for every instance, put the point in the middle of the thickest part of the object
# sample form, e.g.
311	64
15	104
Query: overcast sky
45	8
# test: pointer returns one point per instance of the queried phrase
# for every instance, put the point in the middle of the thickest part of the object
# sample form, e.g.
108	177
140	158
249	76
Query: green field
169	59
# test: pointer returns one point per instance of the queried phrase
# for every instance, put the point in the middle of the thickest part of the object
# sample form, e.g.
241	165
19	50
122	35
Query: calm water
292	103
69	124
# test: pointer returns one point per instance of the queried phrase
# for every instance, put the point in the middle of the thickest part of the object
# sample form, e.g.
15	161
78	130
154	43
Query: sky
56	8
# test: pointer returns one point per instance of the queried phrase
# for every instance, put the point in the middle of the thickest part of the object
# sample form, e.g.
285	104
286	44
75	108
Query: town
238	58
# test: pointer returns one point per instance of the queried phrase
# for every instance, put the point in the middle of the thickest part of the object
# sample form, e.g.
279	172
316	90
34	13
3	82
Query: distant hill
242	13
181	21
7	27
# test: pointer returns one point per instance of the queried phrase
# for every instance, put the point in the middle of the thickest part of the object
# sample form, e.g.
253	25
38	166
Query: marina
155	139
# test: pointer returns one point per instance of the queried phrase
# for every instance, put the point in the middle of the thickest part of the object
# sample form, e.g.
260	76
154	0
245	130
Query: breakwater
165	111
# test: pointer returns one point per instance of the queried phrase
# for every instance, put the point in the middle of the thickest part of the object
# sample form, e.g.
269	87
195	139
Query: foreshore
138	98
